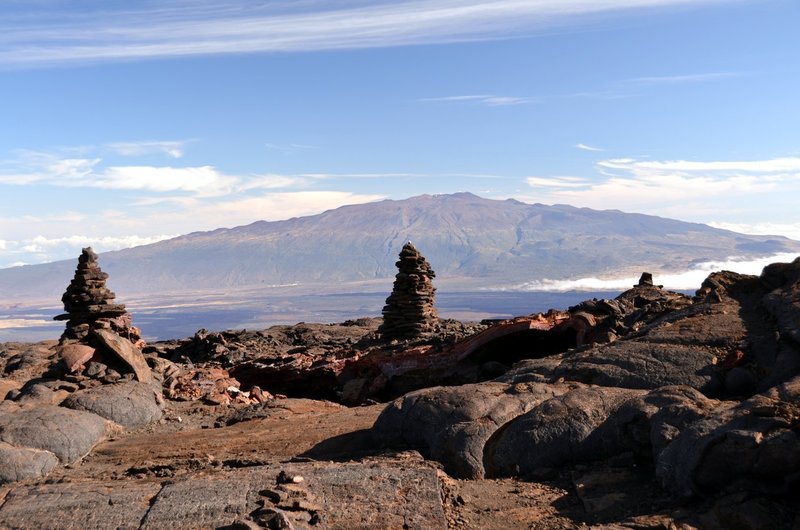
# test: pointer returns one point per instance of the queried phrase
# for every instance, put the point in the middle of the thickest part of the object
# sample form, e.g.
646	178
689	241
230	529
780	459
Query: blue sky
129	122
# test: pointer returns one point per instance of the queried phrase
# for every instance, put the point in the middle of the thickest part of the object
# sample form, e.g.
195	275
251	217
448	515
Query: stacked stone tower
409	312
90	305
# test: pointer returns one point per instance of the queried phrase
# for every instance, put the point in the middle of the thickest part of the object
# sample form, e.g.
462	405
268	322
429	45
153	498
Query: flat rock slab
323	432
68	434
635	364
20	463
127	352
351	495
130	404
78	505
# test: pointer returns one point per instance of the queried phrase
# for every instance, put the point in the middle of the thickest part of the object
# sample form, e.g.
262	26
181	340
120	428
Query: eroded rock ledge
606	402
706	393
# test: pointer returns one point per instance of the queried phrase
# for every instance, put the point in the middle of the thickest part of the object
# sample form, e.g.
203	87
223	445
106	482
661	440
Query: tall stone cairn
409	312
90	305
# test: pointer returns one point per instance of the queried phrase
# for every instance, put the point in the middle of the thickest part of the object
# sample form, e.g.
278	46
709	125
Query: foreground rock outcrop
651	410
703	391
64	399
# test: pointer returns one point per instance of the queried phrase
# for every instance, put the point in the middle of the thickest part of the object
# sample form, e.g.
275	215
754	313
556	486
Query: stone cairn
409	312
99	331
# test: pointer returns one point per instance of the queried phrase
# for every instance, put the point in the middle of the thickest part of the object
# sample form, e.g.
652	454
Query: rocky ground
653	410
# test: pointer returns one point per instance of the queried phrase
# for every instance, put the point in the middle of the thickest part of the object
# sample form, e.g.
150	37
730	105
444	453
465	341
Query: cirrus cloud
35	34
680	188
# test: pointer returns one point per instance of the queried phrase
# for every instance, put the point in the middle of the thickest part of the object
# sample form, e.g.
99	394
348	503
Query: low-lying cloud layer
683	280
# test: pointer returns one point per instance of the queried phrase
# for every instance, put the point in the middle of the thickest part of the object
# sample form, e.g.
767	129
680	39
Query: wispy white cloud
558	182
278	205
484	99
44	35
688	279
136	224
717	191
174	149
634	87
651	167
602	95
681	79
584	147
289	148
207	181
650	185
40	249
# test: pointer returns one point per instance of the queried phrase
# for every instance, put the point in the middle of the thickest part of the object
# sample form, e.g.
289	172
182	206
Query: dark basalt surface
652	410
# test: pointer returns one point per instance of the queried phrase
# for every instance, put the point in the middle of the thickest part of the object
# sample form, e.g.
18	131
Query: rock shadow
344	447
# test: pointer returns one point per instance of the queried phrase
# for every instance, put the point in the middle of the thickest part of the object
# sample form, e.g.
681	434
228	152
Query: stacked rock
89	304
100	339
409	312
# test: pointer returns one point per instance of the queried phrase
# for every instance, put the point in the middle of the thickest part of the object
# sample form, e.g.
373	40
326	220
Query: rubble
409	312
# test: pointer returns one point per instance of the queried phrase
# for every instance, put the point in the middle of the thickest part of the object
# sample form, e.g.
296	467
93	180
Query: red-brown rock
127	353
74	355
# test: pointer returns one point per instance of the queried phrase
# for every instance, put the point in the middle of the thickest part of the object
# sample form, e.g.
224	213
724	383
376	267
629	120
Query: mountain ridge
469	240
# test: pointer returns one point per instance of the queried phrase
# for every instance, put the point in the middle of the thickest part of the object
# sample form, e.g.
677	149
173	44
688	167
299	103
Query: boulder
635	364
576	426
75	355
41	394
68	434
452	424
753	446
20	463
126	352
130	404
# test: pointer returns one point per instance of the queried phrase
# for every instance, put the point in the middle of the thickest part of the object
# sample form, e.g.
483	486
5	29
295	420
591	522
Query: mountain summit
471	242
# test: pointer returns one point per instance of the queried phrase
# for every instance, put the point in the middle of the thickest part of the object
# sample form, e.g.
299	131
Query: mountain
471	242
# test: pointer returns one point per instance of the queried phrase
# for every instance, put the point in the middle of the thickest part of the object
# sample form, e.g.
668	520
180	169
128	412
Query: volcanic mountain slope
469	241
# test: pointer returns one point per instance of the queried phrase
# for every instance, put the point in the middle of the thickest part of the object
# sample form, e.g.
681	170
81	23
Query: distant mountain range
471	242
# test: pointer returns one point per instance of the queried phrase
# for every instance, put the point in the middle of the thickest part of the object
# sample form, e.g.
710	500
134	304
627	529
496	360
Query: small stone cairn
99	331
409	312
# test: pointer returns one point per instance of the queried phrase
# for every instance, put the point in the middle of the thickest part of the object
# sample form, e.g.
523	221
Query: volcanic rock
126	352
75	356
753	446
20	463
89	303
130	404
98	329
409	312
68	434
453	424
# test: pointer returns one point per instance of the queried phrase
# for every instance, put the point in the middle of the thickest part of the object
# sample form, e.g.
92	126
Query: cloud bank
686	280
